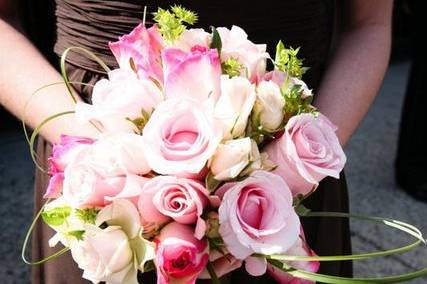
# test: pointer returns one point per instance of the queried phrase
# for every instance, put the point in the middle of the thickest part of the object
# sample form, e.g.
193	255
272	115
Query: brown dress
92	23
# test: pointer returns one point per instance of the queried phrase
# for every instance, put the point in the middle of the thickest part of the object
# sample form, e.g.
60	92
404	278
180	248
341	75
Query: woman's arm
358	65
23	70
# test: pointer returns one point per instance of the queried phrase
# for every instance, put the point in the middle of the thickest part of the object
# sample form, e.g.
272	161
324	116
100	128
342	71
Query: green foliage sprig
295	103
232	67
172	22
286	60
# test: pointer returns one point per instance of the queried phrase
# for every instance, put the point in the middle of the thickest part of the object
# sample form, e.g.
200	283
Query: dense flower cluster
202	154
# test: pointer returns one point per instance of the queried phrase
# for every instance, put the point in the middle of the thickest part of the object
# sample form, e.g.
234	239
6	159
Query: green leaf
211	183
78	234
216	40
87	215
56	216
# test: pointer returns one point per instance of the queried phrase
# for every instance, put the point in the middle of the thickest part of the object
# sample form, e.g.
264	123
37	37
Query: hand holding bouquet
203	160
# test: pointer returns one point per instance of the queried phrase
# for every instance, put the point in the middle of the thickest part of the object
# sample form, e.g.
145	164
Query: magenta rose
256	216
142	46
307	152
62	154
194	75
180	257
180	137
166	198
300	248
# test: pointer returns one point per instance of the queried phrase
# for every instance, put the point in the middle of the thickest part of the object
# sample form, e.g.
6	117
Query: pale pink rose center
252	203
182	139
311	144
175	200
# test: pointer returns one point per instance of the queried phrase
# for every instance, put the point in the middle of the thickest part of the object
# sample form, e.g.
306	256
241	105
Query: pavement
369	173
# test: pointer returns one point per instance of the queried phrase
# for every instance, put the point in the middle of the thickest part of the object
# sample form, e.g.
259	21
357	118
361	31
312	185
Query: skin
350	84
357	66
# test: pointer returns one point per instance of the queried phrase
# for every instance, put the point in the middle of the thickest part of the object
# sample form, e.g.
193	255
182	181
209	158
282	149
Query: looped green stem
34	155
27	238
64	71
37	131
279	260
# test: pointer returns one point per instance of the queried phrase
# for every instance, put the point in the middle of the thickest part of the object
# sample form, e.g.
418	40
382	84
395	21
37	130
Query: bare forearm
354	76
23	70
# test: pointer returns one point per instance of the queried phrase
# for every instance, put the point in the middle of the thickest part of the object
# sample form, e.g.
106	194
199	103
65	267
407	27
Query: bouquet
202	162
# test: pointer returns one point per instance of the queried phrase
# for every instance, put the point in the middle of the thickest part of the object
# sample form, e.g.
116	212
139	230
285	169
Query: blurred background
370	173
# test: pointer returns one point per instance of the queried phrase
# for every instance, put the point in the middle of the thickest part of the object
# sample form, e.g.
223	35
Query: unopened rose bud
269	105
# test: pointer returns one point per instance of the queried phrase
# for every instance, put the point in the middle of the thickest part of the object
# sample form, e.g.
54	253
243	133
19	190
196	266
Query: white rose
235	105
119	154
231	158
113	254
116	100
103	254
253	57
269	105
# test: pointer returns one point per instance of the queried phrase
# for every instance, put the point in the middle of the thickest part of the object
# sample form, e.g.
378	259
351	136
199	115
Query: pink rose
180	257
121	97
143	46
105	171
166	197
300	248
307	152
256	216
253	57
191	38
180	137
62	154
195	75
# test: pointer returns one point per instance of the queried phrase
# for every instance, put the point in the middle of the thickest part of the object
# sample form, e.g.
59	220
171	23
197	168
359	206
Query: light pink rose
307	152
84	186
106	170
191	38
143	46
180	257
195	74
62	154
256	216
116	100
300	248
180	137
166	198
253	57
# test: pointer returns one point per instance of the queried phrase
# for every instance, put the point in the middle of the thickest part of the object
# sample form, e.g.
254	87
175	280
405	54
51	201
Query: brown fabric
306	23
